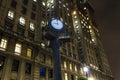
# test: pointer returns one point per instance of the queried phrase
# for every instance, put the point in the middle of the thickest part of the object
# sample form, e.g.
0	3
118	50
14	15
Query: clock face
57	24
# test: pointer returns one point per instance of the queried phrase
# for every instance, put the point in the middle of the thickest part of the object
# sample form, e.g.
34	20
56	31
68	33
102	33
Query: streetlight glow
85	69
90	78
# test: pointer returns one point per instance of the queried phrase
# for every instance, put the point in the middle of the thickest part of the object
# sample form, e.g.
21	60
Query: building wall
25	53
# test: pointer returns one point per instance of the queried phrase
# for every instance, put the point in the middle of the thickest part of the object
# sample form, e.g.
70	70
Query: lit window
68	14
10	15
67	4
70	66
52	6
76	77
66	76
43	45
76	21
65	64
52	1
64	5
75	16
18	48
74	12
35	0
60	2
43	3
22	21
93	40
3	44
29	52
67	9
75	68
43	23
85	8
32	26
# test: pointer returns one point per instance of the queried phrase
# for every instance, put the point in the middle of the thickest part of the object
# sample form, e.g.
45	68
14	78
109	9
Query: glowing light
91	78
85	69
74	12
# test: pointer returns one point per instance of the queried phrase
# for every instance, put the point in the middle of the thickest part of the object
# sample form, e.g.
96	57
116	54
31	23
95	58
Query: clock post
55	33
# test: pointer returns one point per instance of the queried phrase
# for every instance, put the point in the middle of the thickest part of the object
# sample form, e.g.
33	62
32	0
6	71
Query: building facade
25	53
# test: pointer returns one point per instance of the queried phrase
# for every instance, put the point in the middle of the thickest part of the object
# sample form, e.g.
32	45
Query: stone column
21	75
7	69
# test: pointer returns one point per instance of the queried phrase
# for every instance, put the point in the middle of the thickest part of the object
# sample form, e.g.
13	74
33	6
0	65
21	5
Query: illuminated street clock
56	24
55	28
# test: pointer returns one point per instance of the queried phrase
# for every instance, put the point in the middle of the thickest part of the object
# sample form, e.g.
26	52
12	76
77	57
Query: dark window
0	2
42	58
50	73
42	71
25	2
31	35
20	31
74	56
24	10
15	65
33	16
13	4
28	68
43	14
72	77
8	25
34	7
2	61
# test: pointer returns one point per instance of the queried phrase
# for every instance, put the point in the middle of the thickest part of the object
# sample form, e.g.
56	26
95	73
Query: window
15	65
20	31
13	4
32	26
42	58
35	0
29	52
31	35
75	68
3	44
24	10
25	2
18	48
33	16
9	25
49	60
50	73
22	21
2	61
0	2
28	68
65	64
43	3
34	7
70	66
66	76
10	14
72	77
42	71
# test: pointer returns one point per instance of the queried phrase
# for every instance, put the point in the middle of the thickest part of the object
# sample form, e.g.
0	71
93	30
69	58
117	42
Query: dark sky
107	13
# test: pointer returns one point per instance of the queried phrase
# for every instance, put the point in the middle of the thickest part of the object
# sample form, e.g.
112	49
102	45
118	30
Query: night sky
107	13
